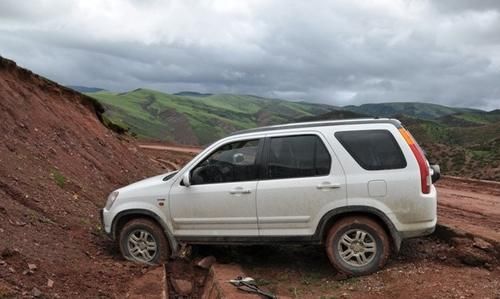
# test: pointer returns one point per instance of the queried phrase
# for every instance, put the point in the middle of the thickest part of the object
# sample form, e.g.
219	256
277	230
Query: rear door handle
240	190
328	185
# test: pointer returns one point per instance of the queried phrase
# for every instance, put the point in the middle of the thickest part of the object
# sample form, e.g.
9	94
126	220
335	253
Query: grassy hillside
419	110
465	142
192	118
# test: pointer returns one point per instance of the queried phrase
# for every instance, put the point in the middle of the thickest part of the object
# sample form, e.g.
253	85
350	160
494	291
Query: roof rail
300	125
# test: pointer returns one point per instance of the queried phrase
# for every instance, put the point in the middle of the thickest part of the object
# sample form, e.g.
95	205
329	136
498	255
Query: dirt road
470	205
172	148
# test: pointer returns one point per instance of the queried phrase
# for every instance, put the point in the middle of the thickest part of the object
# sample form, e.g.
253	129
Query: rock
206	262
36	292
482	244
12	270
472	260
489	266
32	267
50	283
201	281
181	286
9	252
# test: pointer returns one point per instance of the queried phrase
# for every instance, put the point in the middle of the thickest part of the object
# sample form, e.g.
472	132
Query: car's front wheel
142	240
357	245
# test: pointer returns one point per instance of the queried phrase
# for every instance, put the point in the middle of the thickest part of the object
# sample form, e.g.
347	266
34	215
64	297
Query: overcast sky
335	52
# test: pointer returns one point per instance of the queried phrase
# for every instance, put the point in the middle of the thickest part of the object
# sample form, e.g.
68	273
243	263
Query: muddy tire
143	241
357	245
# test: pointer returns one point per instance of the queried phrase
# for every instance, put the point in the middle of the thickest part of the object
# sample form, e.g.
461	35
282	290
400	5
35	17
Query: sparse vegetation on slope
191	118
58	163
464	141
414	109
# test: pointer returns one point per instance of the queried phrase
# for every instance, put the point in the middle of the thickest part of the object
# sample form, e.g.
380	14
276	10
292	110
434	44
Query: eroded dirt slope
57	165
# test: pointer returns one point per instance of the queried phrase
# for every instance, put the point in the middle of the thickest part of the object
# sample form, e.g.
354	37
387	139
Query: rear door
301	180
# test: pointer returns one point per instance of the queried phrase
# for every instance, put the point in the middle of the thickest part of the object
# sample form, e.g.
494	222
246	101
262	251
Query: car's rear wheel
142	240
357	245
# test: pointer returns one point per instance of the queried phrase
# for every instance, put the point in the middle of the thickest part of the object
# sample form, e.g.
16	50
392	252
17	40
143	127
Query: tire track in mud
470	205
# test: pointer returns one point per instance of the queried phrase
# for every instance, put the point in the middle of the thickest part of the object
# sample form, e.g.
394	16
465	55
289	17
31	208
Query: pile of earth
58	163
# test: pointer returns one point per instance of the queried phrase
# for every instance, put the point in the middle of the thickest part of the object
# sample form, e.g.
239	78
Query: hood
149	182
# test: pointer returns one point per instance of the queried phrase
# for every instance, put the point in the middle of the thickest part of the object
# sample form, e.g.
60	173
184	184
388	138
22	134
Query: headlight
111	199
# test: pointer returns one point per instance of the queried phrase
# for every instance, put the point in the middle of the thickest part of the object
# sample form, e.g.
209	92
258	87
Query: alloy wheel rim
142	245
357	247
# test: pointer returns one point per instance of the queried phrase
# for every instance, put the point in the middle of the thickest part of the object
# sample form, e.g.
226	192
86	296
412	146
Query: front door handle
328	185
240	190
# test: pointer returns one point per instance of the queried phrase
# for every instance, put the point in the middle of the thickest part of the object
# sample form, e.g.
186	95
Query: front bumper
106	227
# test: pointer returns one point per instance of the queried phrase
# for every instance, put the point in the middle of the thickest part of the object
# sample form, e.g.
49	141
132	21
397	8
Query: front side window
297	156
373	149
232	162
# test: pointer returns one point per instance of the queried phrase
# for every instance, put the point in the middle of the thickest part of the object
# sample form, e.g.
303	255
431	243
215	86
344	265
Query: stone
50	283
181	286
36	292
32	267
206	262
482	244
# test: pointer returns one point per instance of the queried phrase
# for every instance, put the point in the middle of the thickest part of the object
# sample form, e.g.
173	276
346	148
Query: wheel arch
334	215
125	216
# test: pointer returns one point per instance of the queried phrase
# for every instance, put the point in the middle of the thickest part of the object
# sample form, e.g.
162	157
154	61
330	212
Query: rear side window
373	149
297	156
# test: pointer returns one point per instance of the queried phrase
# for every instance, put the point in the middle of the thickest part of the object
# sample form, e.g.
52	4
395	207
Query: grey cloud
346	53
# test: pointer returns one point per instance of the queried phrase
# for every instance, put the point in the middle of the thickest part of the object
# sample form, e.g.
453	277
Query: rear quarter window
373	149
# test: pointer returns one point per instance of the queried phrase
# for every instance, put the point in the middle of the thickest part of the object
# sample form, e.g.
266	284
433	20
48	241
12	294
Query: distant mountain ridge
84	89
466	142
194	119
190	117
415	109
192	94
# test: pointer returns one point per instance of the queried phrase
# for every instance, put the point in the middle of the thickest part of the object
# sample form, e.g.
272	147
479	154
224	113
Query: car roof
311	124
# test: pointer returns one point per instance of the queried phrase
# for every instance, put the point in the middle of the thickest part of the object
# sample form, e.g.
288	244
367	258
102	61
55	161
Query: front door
222	195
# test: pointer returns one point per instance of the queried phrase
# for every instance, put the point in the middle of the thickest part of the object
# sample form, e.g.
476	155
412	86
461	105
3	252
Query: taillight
423	165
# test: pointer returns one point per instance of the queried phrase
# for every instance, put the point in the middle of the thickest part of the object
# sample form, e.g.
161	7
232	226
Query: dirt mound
57	165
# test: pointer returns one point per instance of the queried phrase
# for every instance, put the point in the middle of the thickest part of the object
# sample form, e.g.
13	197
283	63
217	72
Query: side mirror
186	180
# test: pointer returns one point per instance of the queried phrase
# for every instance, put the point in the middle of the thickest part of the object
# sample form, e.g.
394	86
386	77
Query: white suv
357	186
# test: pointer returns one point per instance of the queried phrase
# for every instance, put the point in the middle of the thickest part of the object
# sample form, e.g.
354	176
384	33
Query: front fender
144	209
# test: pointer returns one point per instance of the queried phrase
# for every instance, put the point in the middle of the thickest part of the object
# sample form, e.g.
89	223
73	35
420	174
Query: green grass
471	137
59	178
143	112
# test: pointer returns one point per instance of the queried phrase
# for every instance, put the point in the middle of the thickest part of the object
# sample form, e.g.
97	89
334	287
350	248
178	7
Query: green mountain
192	118
415	109
465	142
84	89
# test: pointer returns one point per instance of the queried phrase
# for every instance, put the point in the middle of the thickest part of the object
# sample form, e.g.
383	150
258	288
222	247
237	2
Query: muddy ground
425	268
84	263
448	264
